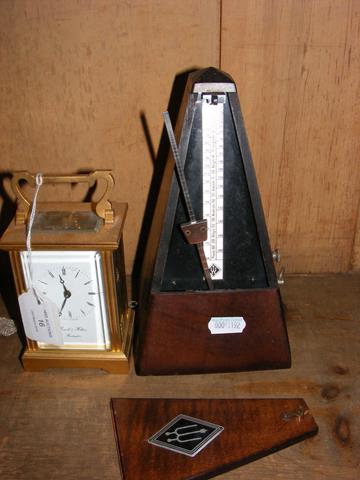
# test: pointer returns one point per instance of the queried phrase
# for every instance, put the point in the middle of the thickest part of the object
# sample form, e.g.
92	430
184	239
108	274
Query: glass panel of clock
73	280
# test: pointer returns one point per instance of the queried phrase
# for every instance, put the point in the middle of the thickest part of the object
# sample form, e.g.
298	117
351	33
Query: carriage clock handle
103	206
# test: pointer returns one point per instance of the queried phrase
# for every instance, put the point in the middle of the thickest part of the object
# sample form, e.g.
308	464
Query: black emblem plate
186	435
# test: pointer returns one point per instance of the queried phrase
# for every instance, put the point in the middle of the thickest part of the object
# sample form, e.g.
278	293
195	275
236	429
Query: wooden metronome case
175	305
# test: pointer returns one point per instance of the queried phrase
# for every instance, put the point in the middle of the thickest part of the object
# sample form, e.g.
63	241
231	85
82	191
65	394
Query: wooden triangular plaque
242	431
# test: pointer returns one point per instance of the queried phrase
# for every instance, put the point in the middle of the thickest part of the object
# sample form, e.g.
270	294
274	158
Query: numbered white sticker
221	325
40	318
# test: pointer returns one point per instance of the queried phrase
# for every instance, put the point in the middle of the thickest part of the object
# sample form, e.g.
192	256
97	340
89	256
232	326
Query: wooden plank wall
297	66
79	78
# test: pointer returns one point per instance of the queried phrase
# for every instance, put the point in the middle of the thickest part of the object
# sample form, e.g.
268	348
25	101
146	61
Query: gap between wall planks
355	259
297	67
77	75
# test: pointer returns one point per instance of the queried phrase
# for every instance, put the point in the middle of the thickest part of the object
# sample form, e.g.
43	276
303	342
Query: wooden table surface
57	424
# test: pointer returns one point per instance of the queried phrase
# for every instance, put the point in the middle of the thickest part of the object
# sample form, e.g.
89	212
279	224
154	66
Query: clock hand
67	293
62	306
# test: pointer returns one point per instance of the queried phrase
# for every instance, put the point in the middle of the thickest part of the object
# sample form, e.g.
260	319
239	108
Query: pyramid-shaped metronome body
183	325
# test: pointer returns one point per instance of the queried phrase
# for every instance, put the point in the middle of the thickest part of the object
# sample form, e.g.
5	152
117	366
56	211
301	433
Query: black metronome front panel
243	265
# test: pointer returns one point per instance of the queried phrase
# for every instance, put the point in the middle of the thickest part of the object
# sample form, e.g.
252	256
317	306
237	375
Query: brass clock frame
108	240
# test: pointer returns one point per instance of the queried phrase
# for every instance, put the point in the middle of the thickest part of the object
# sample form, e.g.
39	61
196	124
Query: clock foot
111	362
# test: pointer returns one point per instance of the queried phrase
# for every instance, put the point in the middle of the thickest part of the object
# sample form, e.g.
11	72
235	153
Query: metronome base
174	335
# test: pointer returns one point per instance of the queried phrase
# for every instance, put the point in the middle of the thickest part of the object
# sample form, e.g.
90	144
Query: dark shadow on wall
7	285
159	161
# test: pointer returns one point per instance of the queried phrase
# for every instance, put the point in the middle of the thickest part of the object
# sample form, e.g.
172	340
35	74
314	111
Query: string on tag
39	182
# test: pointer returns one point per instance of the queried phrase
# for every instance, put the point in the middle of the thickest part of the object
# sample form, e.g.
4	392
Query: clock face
73	280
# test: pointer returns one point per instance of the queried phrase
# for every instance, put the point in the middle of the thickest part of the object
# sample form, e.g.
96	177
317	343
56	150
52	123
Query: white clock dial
73	281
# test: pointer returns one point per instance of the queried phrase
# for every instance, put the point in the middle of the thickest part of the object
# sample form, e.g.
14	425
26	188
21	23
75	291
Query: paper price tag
40	318
221	325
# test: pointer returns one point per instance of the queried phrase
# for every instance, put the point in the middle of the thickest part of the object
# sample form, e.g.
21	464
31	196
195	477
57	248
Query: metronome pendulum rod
195	231
179	167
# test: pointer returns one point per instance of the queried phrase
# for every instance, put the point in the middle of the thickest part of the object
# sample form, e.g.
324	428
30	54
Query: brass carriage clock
73	271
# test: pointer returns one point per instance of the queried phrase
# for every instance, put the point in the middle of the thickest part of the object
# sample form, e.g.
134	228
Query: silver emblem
186	435
214	269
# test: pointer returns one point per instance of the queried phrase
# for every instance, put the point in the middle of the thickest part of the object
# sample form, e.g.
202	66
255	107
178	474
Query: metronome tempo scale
212	115
209	298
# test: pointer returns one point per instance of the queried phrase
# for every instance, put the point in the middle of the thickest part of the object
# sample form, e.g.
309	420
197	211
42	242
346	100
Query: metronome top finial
201	80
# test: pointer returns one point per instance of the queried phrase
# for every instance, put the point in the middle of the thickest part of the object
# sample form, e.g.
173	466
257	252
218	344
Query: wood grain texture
297	65
77	75
178	322
57	424
252	428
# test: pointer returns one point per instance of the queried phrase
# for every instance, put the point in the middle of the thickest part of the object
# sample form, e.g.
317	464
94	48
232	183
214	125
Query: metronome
209	297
